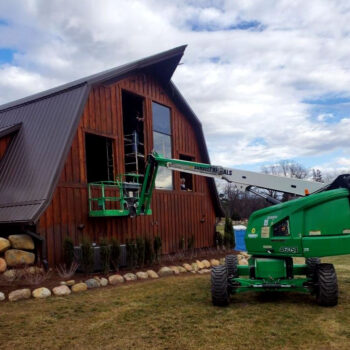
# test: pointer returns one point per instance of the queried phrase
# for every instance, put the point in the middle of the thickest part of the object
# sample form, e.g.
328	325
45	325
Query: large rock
3	265
79	287
214	262
103	282
20	294
194	267
61	291
203	271
2	296
243	262
152	274
130	277
15	257
115	279
10	275
165	271
175	270
222	261
41	293
21	242
206	264
4	244
92	283
200	265
181	269
187	267
142	275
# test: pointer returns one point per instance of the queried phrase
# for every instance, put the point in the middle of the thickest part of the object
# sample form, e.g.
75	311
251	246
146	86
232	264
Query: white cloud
242	84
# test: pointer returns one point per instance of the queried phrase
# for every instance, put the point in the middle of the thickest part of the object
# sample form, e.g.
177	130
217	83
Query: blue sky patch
6	55
214	27
258	141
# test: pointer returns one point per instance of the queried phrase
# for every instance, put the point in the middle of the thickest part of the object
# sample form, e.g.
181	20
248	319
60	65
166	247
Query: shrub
157	245
131	253
190	242
229	238
105	255
140	247
182	243
68	251
115	253
87	255
219	239
149	254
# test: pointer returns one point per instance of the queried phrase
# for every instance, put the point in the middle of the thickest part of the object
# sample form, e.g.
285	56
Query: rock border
66	288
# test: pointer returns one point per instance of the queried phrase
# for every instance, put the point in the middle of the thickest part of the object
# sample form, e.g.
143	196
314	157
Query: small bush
190	242
68	251
157	246
229	238
219	239
115	253
105	255
131	253
149	254
140	246
87	256
182	243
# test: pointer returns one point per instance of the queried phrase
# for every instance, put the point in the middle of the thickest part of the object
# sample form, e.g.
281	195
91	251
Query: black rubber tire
327	285
311	266
231	262
219	287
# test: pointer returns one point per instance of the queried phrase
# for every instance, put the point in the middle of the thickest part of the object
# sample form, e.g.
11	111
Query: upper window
186	179
162	143
281	229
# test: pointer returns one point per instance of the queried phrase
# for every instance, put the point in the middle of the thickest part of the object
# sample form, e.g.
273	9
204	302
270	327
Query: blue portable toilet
239	231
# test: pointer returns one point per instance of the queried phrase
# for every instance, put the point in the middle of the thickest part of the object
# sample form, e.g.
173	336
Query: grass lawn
176	313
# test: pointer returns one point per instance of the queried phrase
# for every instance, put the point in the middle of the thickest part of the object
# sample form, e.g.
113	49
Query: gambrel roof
45	125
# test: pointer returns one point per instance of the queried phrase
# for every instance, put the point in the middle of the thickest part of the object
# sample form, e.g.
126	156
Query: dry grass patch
176	313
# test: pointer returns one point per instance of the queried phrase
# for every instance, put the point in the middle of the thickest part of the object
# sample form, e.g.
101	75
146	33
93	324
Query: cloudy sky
269	80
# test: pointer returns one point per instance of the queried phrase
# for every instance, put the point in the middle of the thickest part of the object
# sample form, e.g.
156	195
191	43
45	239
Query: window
186	179
162	143
281	229
99	158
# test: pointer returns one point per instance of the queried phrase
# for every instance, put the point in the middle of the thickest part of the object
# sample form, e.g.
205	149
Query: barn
55	144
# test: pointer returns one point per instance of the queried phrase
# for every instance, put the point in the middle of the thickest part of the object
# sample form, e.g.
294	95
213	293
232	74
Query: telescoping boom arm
244	179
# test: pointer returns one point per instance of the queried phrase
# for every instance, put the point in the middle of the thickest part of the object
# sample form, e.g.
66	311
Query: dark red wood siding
176	213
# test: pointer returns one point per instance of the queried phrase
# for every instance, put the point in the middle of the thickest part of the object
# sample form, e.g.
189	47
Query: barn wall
176	213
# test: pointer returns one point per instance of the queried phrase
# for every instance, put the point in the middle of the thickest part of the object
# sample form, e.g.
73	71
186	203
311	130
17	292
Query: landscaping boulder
3	265
194	267
9	275
20	294
115	279
15	257
214	262
142	275
4	244
41	293
181	269
103	282
61	291
222	261
200	264
21	242
243	262
70	283
152	274
165	271
92	283
206	264
2	296
187	267
175	270
203	271
79	287
130	277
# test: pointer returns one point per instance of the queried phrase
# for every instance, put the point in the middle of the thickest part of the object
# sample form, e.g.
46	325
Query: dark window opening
186	179
99	158
162	143
133	121
281	229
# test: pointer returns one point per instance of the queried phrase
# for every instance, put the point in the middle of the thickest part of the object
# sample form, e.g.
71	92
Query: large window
162	143
186	179
99	158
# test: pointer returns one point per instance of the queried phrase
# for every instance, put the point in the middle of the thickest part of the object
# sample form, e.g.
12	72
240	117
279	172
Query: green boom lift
317	224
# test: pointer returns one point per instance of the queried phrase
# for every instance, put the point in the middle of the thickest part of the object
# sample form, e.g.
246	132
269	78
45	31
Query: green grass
176	313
